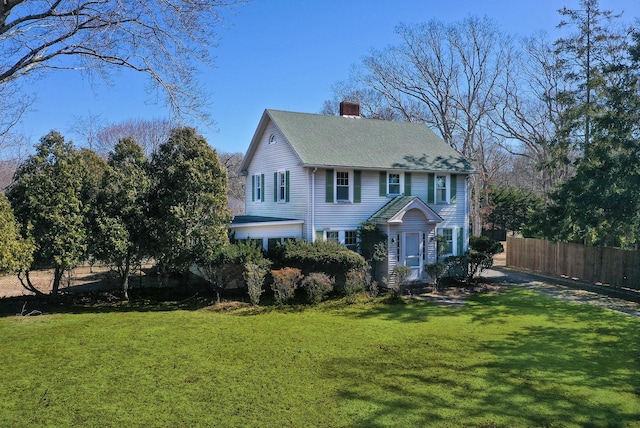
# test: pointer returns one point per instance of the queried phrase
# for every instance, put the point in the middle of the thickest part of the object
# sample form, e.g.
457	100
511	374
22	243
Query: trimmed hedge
330	258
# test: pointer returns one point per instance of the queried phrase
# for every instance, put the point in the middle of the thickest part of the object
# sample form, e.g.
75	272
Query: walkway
568	290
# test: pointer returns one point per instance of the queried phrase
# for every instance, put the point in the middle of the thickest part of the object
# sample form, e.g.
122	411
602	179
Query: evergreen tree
94	169
511	208
600	204
120	230
582	57
47	199
15	251
189	209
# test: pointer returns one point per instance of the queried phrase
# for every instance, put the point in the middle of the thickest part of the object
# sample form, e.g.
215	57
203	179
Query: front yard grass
512	359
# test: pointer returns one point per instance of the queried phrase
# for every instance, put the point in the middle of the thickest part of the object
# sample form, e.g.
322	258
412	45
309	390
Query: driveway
568	290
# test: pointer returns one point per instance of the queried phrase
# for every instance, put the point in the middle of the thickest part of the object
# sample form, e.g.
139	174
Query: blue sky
280	54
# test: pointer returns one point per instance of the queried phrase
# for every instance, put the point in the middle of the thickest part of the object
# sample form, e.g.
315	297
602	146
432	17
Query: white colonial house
318	177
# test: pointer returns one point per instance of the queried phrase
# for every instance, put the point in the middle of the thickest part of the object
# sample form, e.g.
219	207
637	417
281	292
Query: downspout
389	243
465	230
313	205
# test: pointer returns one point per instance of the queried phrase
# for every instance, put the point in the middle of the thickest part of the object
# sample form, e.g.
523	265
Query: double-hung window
393	183
281	186
333	236
257	194
441	189
348	238
351	239
342	186
446	242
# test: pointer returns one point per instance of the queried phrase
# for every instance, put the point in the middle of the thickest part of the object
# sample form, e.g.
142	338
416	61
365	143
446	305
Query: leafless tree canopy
149	133
164	39
447	76
236	182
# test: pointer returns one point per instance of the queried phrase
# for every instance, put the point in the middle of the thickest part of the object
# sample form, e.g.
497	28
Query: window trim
257	188
340	237
447	189
354	236
400	183
349	186
281	186
452	242
332	239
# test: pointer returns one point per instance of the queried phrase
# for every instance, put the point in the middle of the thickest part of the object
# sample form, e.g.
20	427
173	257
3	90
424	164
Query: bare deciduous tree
372	103
87	128
235	182
528	114
149	133
163	39
446	76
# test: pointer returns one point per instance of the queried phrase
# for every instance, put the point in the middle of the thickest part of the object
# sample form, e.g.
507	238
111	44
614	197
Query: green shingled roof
322	140
397	204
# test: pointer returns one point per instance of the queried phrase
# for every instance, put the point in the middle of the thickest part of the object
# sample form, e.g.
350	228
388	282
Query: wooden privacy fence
611	266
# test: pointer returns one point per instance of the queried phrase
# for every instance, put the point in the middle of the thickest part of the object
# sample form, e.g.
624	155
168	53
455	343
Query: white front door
413	254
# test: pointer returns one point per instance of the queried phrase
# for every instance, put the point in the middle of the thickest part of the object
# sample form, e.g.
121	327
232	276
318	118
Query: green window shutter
430	191
329	186
357	186
253	188
275	187
454	186
383	183
460	241
262	187
407	184
286	176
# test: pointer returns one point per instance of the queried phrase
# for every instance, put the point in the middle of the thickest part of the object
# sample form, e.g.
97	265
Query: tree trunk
57	277
475	213
26	283
125	279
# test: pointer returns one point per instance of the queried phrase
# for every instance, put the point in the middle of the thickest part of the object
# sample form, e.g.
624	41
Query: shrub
374	289
329	257
317	285
480	254
228	268
285	282
356	281
436	271
254	274
400	275
372	244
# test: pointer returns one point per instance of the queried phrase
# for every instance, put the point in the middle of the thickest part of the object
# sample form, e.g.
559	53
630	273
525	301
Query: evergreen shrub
317	285
331	258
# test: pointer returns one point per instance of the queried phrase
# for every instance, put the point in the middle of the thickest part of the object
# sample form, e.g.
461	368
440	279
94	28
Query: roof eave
386	168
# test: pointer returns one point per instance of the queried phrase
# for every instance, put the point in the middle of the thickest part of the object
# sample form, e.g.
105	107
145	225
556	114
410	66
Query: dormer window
272	139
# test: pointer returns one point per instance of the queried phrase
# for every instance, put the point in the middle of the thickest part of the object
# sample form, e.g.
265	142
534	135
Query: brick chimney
349	109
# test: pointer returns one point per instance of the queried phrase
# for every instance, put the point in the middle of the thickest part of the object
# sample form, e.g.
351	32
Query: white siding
269	159
350	215
270	231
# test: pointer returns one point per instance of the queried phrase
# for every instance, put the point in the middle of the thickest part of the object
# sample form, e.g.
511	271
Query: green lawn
515	359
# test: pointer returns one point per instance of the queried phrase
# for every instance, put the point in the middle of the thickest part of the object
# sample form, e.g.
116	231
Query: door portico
410	225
